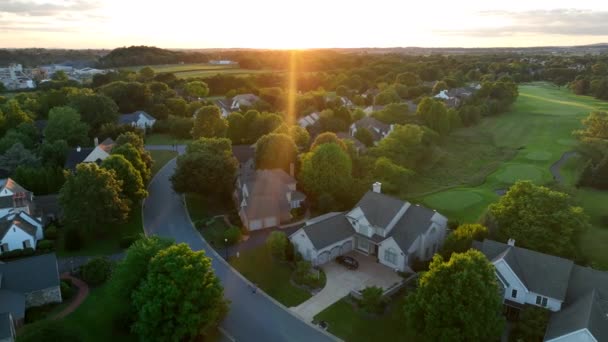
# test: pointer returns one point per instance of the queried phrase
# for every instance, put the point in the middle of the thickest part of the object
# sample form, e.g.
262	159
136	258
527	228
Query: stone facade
41	297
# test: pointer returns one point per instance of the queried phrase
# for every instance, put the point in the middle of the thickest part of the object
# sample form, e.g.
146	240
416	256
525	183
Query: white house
18	228
395	231
243	100
577	296
14	198
378	129
139	119
309	120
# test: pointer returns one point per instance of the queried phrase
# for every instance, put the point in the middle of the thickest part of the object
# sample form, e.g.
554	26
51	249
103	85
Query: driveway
340	281
252	316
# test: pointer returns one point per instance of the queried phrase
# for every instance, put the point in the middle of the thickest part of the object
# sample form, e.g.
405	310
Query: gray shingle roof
30	274
13	302
414	222
267	194
328	231
379	209
376	127
8	221
6	326
243	153
76	157
589	312
126	119
541	273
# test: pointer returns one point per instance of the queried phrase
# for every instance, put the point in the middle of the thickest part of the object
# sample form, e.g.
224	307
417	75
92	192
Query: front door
375	250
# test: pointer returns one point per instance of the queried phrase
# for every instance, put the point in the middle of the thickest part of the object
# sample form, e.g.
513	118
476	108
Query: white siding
15	237
582	335
360	223
552	303
303	245
97	153
401	257
5	192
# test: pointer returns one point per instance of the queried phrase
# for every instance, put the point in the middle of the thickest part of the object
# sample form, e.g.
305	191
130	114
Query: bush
50	232
531	325
303	275
290	253
72	240
96	271
45	245
28	252
126	241
277	242
233	234
420	265
67	291
49	330
372	301
11	254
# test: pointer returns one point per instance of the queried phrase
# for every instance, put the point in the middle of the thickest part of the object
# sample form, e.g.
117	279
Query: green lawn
274	279
522	144
352	325
202	70
160	159
164	139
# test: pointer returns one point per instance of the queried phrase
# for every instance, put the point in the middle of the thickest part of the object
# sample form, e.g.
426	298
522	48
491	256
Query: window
542	301
435	248
4	247
390	256
545	301
26	244
363	244
514	293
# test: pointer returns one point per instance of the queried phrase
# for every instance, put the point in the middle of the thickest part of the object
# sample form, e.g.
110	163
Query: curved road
252	316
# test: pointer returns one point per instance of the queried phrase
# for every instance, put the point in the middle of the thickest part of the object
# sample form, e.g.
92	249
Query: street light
226	248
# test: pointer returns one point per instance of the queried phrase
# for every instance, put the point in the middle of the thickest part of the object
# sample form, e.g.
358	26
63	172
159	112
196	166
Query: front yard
165	139
270	275
352	324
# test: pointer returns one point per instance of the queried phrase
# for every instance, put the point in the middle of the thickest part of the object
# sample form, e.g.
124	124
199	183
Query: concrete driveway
340	281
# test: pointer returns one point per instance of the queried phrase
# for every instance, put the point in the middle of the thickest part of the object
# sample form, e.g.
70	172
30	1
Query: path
83	292
252	317
555	168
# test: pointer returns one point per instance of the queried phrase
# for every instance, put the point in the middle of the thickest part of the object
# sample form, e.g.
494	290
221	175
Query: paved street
252	316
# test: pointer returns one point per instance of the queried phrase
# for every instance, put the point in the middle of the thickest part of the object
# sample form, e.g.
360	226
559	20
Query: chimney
291	169
377	187
96	141
78	149
511	242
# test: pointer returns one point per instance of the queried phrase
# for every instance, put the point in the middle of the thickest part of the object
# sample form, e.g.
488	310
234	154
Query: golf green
514	172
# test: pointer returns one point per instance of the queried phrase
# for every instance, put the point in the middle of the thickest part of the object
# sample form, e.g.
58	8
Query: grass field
165	139
479	161
201	70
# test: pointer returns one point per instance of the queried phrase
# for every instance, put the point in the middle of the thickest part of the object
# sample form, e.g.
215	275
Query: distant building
222	62
95	154
14	78
378	129
138	119
309	120
19	228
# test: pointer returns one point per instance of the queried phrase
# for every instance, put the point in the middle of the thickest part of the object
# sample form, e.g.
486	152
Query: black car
349	262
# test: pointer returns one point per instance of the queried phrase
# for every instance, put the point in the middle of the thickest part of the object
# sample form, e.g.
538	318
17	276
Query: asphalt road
252	316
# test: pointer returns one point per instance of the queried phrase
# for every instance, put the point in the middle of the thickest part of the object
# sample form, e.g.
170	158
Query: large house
577	296
26	283
95	154
395	231
138	119
378	129
228	106
18	227
309	120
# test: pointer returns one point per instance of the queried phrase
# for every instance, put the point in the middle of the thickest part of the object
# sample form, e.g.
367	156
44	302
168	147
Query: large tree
394	178
275	151
327	169
134	156
539	218
132	183
17	155
461	239
181	297
209	123
196	89
95	109
327	138
435	115
457	300
208	166
91	199
64	124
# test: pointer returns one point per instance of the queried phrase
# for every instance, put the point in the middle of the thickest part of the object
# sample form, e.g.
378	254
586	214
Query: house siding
97	153
14	239
303	245
582	335
401	262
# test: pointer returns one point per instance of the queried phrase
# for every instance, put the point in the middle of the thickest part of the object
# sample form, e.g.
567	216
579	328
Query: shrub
371	299
277	242
67	291
96	271
50	232
72	239
126	241
420	265
290	253
11	254
49	330
531	325
27	252
233	234
303	275
45	245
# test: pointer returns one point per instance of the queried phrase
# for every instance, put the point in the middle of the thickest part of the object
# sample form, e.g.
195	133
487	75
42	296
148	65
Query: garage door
255	224
346	247
323	258
334	252
270	222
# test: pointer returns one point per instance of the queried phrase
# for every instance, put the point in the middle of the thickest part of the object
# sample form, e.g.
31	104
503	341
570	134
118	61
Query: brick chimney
96	141
377	187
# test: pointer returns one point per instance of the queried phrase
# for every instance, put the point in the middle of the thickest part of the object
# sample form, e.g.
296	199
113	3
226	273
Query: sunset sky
300	24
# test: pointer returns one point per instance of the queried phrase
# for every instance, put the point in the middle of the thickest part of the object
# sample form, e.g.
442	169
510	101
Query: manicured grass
272	276
214	233
352	325
160	159
164	139
202	70
202	207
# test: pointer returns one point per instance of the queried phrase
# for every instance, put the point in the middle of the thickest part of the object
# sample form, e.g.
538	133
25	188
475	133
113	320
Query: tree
53	154
180	299
180	128
277	244
393	113
365	136
13	137
394	178
387	96
14	115
405	146
237	129
91	199
408	78
95	110
327	169
196	89
96	271
300	136
342	91
439	86
129	96
17	156
521	214
596	126
130	273
135	157
435	115
371	299
40	180
457	300
177	106
275	151
60	76
207	167
327	138
133	185
64	124
146	73
531	325
209	123
461	239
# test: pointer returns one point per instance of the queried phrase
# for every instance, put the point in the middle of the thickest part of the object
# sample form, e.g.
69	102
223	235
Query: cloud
571	22
30	8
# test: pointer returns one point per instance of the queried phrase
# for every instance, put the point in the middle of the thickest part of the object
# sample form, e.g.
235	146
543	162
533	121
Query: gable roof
224	105
133	117
107	145
588	312
30	274
329	230
10	184
345	136
379	209
541	273
12	302
415	221
77	156
243	153
267	191
8	221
